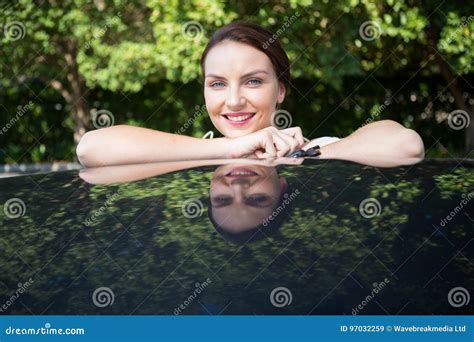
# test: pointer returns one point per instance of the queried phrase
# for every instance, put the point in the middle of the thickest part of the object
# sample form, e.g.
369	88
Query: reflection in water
244	199
123	229
247	201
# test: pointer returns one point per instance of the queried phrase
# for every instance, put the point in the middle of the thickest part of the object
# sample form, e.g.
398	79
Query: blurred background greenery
353	61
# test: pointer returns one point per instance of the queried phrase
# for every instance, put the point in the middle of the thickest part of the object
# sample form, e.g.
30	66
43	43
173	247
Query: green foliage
457	41
460	181
140	59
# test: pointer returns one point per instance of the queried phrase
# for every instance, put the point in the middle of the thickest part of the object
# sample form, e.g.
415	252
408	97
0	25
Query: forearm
119	145
130	173
383	144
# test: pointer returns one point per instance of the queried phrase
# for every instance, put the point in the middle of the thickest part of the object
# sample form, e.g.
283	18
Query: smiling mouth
239	119
241	172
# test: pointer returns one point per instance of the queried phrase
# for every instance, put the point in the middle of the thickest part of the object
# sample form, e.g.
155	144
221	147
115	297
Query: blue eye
213	85
255	81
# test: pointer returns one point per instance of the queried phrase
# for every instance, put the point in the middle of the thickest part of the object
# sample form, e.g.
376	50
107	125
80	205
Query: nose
239	183
239	187
235	100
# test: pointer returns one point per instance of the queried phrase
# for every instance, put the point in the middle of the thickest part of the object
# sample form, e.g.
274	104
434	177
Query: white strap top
324	141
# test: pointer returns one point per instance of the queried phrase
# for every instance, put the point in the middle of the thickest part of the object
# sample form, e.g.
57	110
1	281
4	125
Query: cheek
264	99
214	103
268	186
209	102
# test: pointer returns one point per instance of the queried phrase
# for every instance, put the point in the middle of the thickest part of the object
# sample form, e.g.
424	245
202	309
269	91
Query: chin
230	132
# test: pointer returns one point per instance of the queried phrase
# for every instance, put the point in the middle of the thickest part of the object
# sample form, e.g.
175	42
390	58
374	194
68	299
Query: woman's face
243	196
241	88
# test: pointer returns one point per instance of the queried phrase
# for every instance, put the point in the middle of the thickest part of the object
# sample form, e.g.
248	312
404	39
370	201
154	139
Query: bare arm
120	145
130	173
123	144
383	143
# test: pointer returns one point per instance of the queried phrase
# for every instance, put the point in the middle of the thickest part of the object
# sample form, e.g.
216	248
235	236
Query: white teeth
241	173
239	118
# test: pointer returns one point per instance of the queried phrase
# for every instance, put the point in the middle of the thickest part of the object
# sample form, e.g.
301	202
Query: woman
245	80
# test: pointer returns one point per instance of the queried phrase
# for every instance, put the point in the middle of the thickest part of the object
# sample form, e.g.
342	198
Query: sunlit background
71	66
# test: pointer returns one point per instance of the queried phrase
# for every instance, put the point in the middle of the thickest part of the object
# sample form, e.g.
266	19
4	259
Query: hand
280	161
267	143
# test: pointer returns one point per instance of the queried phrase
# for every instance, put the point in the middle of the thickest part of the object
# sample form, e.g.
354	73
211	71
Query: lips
238	119
241	172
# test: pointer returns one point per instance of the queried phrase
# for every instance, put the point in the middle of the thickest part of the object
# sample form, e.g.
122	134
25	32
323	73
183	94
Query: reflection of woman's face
240	79
242	196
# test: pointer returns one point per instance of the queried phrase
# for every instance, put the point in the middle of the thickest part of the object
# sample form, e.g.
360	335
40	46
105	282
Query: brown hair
258	37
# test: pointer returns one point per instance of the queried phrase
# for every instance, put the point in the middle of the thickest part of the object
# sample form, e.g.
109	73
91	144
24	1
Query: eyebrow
232	201
243	76
249	205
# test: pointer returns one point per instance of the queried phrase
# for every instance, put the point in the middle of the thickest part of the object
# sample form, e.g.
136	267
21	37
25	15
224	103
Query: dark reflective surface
152	243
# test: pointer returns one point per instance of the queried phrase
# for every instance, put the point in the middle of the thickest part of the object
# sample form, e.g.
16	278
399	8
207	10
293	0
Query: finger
291	141
289	161
296	133
259	154
282	146
270	150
